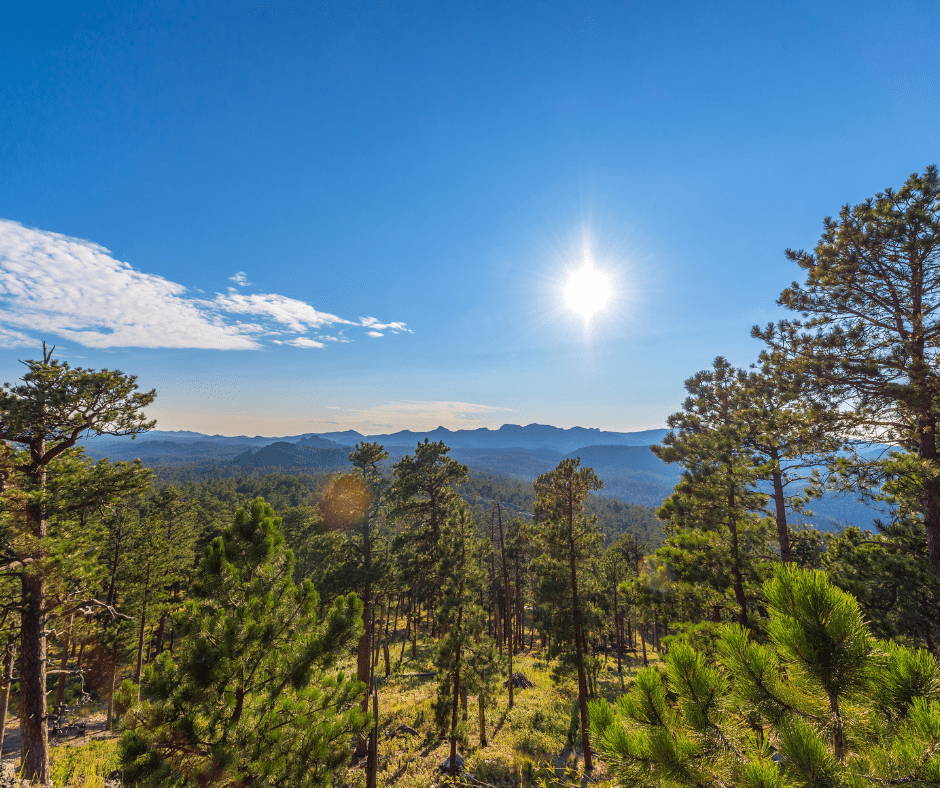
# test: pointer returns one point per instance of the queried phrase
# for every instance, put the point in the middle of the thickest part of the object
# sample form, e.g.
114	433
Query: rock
404	730
519	681
445	767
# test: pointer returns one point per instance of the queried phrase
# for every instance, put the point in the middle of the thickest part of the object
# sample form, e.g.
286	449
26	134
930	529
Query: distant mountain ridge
509	436
630	471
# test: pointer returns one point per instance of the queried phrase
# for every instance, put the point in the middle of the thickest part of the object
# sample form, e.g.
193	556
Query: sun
587	291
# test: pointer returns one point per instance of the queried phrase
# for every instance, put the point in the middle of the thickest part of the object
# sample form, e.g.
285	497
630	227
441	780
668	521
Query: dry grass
85	766
527	744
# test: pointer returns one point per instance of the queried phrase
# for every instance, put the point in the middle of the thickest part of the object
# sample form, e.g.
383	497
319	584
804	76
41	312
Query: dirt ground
94	729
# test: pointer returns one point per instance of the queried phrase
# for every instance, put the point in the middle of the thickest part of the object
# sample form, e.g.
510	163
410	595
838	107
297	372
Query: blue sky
233	200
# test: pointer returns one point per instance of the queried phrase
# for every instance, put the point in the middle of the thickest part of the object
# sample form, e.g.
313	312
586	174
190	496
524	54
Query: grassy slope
525	742
534	732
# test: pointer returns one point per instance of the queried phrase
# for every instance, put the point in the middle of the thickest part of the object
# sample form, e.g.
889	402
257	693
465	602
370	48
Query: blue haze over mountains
630	471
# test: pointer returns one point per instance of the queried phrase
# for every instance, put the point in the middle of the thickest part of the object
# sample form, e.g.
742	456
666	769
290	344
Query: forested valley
416	623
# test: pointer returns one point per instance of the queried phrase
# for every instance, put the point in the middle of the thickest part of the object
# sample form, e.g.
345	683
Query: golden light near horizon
587	291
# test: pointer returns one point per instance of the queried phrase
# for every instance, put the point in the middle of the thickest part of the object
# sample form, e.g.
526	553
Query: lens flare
587	291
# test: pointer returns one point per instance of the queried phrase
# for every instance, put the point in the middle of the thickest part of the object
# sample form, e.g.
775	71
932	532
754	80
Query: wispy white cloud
373	323
241	279
295	315
375	333
11	338
75	289
299	342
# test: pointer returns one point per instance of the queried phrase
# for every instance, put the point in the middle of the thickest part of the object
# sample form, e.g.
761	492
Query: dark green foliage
465	656
571	542
422	497
252	697
423	493
889	571
823	704
49	492
870	328
614	516
718	544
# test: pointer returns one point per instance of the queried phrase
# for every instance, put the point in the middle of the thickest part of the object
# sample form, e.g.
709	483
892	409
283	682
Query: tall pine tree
570	540
45	415
869	331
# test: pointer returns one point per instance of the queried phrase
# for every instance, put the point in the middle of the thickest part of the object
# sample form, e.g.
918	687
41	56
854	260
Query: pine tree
823	704
422	498
253	697
372	568
465	656
791	428
46	414
889	571
870	327
570	539
717	538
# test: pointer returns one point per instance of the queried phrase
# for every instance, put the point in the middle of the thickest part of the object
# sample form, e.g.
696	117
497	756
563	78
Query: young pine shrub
253	696
823	703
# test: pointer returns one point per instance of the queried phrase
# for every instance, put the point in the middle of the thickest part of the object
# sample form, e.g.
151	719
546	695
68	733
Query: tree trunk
579	653
508	627
480	702
113	682
64	662
407	637
9	658
735	557
161	630
780	511
140	641
34	725
838	734
372	764
362	665
456	699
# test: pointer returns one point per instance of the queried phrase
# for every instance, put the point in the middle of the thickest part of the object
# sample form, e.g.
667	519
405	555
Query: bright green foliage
822	704
250	699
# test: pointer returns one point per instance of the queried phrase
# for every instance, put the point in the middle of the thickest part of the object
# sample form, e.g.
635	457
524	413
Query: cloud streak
75	289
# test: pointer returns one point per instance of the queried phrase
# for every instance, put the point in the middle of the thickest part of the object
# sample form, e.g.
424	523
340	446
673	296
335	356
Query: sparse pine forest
415	622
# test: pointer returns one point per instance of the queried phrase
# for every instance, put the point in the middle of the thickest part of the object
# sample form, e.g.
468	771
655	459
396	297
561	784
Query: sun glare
587	291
